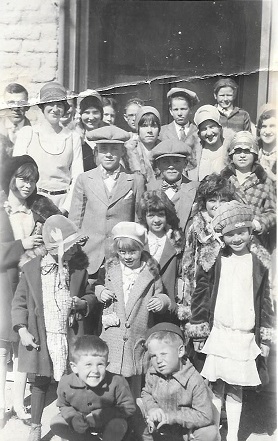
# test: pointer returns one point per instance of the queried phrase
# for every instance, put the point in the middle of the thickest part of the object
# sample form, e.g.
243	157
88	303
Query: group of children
154	266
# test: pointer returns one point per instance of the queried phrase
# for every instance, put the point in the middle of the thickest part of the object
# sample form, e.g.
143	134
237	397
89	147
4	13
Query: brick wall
28	43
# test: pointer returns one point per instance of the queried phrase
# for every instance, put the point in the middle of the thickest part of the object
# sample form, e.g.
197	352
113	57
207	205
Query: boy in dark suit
104	196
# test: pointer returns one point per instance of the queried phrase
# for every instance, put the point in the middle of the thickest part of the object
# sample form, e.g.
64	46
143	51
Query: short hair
214	185
15	88
88	345
166	336
179	96
155	201
107	101
149	119
134	100
25	171
267	114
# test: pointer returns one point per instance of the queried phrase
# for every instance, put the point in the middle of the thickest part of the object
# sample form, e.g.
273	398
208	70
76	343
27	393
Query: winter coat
110	399
11	251
183	199
27	309
258	191
237	120
96	211
183	396
126	340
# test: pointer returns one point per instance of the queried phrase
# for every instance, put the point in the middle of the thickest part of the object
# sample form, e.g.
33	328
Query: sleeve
146	395
267	216
139	188
67	411
10	253
266	313
158	292
246	122
76	168
19	303
200	305
78	202
199	413
23	140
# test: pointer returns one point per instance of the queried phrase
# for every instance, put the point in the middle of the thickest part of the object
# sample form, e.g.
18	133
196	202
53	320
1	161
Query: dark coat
10	253
27	309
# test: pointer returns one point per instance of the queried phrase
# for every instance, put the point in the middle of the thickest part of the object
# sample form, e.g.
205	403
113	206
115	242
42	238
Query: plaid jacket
258	191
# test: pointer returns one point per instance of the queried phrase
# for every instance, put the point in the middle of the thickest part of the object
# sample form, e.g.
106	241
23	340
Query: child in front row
164	242
175	400
131	293
232	314
92	401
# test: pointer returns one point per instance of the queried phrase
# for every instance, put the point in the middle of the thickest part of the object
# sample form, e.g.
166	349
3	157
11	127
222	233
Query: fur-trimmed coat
11	251
27	309
126	340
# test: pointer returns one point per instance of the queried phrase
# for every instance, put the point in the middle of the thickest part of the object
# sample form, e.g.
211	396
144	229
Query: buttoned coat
27	309
183	199
168	131
96	211
126	340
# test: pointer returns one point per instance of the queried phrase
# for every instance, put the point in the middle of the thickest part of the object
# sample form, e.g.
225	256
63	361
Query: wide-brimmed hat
131	230
205	113
10	166
191	96
143	111
171	147
232	215
243	139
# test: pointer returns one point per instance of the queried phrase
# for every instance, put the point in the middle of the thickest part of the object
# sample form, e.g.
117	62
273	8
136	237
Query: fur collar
257	169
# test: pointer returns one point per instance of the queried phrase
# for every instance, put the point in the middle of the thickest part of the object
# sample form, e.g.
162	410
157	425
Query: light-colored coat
126	341
96	211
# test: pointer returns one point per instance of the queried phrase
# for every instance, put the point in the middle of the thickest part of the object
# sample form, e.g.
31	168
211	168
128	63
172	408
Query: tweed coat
27	309
168	131
238	120
258	191
96	211
126	341
11	251
183	199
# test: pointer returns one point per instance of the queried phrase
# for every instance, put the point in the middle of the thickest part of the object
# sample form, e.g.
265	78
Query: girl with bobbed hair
266	137
109	110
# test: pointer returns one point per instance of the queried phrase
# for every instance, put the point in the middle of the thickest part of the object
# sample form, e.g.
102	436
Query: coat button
127	325
89	404
125	338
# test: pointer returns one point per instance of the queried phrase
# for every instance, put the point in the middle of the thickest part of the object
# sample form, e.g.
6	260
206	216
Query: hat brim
165	155
236	226
76	238
108	141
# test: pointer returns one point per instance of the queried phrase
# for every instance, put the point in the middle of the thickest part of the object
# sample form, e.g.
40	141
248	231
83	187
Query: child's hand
79	423
198	345
32	241
155	304
156	415
264	350
77	303
106	295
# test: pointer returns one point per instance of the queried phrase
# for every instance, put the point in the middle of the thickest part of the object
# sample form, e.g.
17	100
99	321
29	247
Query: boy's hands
155	305
79	423
264	350
156	417
106	295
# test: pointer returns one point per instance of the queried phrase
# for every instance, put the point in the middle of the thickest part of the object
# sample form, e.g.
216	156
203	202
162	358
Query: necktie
182	134
165	186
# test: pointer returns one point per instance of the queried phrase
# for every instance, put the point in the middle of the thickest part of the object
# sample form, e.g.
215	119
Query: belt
53	193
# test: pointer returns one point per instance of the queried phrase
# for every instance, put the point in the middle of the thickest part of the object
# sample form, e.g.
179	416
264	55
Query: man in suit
171	158
104	196
181	101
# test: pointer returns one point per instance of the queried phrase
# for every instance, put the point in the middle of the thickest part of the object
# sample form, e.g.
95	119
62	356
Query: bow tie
114	175
165	186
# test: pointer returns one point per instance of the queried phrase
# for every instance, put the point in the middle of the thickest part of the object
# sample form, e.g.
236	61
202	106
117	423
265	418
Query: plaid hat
53	91
171	147
142	111
207	112
243	139
167	327
10	166
232	215
224	82
188	94
60	234
131	230
109	135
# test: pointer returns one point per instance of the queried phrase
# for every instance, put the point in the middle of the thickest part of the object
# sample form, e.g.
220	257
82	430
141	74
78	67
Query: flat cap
109	135
188	94
171	147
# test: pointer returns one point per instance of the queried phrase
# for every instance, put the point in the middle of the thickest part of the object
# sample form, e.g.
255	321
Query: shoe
35	432
22	414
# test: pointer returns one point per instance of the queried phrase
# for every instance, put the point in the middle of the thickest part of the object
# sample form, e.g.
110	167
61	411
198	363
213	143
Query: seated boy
171	158
92	401
180	102
175	399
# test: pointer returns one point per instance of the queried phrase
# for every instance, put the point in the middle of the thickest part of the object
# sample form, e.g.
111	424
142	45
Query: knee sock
233	409
40	387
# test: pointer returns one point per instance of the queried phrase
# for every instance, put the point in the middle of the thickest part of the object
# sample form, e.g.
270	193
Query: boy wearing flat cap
104	196
181	101
171	157
175	400
225	91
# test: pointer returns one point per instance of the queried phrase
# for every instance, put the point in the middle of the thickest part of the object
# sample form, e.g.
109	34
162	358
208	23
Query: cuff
266	335
200	330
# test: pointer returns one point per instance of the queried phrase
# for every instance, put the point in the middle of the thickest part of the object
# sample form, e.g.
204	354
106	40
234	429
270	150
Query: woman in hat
56	149
139	151
253	186
52	295
22	213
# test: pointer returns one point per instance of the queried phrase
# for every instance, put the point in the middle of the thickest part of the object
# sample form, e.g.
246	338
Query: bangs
149	119
127	244
27	171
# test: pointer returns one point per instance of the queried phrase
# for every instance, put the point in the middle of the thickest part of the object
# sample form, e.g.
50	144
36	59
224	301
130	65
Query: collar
181	376
106	174
11	210
153	238
76	383
129	271
269	153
